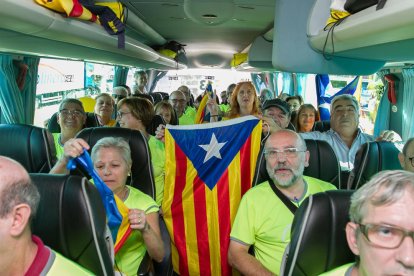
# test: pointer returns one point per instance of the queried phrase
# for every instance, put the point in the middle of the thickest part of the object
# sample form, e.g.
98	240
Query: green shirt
157	149
188	117
344	270
264	221
129	257
58	145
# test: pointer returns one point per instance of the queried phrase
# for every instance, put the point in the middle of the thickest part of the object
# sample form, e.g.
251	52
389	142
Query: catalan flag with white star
209	167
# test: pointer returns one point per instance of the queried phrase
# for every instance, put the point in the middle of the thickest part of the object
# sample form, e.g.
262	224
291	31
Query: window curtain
153	77
382	122
121	74
408	100
288	85
18	104
301	83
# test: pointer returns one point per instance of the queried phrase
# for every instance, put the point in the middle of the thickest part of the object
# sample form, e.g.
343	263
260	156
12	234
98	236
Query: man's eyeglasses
385	236
178	100
67	112
120	114
118	97
288	152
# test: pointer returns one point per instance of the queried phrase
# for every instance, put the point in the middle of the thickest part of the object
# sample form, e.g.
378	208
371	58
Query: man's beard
283	181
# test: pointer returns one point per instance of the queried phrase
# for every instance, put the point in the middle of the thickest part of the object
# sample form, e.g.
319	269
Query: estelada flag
208	169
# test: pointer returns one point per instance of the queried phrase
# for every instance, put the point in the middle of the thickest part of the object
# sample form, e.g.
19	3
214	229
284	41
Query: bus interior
280	45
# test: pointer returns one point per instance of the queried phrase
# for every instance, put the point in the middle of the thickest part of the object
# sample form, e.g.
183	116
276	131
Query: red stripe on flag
77	9
177	211
199	191
245	172
224	220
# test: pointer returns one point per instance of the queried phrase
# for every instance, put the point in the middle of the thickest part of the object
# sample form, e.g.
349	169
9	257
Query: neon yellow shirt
129	257
264	221
188	116
343	270
63	266
157	149
58	145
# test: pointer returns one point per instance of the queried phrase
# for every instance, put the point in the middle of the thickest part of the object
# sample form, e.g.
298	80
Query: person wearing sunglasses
406	157
381	228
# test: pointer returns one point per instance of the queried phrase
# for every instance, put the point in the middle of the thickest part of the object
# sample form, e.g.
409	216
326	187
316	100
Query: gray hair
407	144
345	97
113	142
384	188
71	100
120	88
22	191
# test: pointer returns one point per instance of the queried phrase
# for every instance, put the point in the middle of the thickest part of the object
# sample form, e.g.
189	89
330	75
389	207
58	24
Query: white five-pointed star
212	149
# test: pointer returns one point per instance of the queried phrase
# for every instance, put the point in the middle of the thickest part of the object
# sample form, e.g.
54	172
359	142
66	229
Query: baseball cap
281	104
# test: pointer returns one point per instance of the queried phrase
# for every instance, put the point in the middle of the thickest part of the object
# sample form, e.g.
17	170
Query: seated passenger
406	157
178	101
104	108
112	161
244	100
166	111
223	97
380	232
118	93
22	253
71	118
137	113
265	95
295	102
263	220
306	117
279	111
345	137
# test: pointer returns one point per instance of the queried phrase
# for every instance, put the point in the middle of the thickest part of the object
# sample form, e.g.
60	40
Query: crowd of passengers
380	210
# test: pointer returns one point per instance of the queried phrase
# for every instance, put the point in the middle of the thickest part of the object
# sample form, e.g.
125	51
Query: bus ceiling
277	35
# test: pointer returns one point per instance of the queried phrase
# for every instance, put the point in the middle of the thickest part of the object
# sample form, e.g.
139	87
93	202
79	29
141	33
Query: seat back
31	146
156	121
318	240
373	157
322	126
54	127
71	220
142	176
323	164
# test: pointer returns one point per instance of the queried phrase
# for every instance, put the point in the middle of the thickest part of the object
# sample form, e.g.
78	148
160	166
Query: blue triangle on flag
212	147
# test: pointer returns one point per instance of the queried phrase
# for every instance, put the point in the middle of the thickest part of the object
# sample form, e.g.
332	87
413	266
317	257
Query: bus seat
156	121
373	157
157	97
318	239
31	146
322	126
54	127
142	176
71	220
323	164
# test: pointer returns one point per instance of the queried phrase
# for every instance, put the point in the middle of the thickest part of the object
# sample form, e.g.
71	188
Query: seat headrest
71	220
322	126
54	127
373	157
155	122
323	164
31	146
142	176
318	239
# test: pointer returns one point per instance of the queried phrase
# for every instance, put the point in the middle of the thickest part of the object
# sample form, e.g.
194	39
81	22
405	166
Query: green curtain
382	122
17	106
121	74
408	100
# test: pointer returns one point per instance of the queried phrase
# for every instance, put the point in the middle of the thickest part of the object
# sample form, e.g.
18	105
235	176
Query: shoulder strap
292	207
